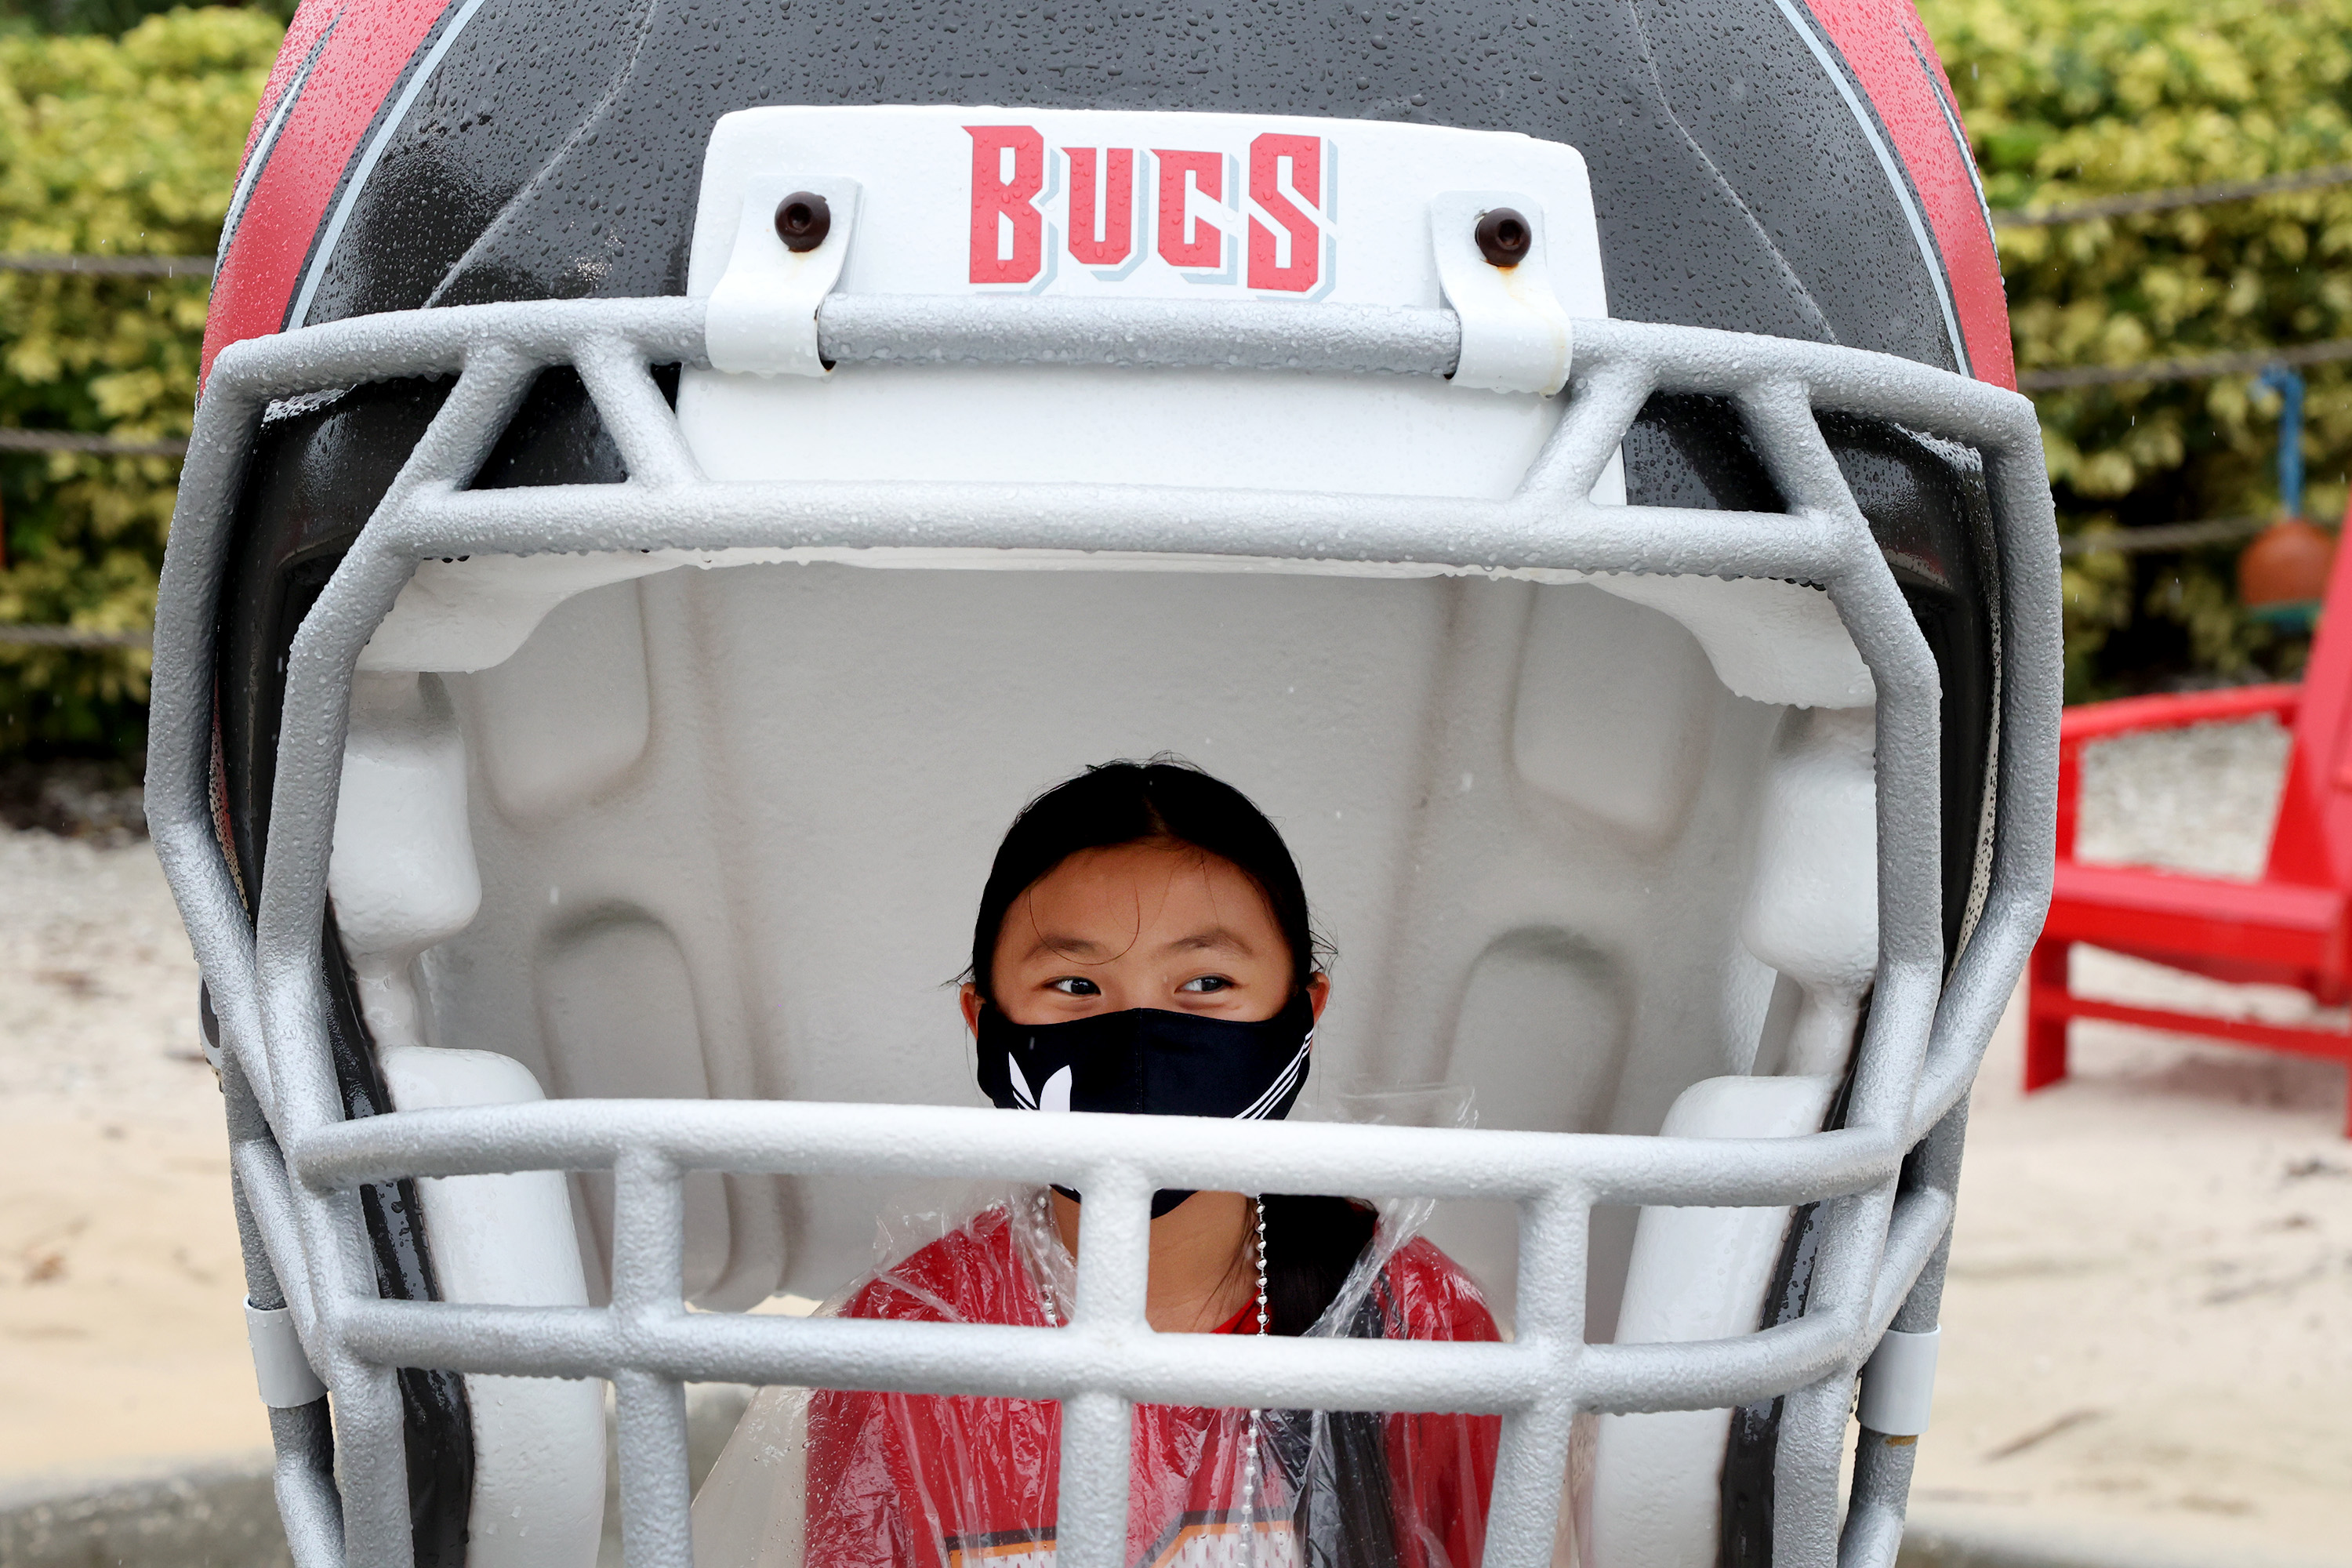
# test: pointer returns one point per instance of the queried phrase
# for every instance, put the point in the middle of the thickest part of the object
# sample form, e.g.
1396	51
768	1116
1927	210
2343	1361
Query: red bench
2293	927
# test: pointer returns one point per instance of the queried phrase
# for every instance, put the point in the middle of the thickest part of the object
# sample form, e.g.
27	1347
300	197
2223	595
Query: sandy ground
2147	1323
120	1333
2147	1328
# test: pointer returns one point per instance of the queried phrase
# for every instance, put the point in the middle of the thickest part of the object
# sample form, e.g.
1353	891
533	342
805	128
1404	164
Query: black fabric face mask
1147	1062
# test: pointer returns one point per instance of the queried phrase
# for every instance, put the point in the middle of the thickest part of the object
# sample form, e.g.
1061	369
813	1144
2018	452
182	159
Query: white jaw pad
1694	1274
508	1240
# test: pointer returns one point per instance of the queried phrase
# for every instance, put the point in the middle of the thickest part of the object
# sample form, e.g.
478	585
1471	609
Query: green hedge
2069	100
130	145
114	148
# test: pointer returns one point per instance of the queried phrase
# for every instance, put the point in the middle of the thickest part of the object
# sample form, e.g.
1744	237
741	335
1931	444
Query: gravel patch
2201	799
98	988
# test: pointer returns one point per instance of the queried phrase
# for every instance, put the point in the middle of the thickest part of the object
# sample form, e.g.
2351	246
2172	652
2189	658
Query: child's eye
1075	985
1206	983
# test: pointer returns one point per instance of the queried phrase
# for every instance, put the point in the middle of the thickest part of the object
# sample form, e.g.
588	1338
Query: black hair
1118	803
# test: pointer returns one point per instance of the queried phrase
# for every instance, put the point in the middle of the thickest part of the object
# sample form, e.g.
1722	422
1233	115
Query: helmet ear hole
1503	236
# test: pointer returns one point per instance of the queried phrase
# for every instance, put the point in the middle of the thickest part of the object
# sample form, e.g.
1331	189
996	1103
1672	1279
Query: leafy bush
113	148
2069	99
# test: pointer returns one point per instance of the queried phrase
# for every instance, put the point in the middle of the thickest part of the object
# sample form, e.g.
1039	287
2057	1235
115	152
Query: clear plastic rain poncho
833	1479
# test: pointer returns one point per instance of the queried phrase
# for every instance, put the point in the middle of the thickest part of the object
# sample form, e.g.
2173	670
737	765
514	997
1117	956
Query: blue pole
2288	385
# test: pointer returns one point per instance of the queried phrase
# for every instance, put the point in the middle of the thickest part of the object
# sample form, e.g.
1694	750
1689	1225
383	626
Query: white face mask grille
1879	1241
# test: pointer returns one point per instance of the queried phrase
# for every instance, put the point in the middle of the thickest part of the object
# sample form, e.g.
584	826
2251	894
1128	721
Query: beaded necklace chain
1046	1232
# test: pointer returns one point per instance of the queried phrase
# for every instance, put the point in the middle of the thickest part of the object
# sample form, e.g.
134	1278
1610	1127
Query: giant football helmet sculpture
673	475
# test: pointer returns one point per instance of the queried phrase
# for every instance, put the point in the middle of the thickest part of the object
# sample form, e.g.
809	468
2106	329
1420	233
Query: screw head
1503	236
802	220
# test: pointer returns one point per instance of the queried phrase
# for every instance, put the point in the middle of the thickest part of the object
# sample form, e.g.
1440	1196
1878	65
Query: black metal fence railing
104	446
2136	202
2248	362
2158	536
110	266
72	637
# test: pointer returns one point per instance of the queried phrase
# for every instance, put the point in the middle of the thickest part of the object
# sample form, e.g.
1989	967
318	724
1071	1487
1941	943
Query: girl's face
1156	925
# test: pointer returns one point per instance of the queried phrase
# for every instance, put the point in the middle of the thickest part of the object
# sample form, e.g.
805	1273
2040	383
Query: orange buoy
2288	562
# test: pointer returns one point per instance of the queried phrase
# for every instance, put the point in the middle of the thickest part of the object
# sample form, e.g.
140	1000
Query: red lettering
1003	217
1305	155
1108	242
1184	243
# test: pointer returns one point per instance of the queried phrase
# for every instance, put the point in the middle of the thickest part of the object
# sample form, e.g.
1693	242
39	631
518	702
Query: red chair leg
2045	1033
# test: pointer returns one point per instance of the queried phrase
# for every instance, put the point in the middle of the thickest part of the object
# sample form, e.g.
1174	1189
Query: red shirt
899	1480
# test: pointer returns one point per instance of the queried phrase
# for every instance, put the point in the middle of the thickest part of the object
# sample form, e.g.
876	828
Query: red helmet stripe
1891	56
360	64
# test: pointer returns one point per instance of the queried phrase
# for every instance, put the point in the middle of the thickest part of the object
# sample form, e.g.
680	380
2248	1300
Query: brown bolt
802	220
1503	236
